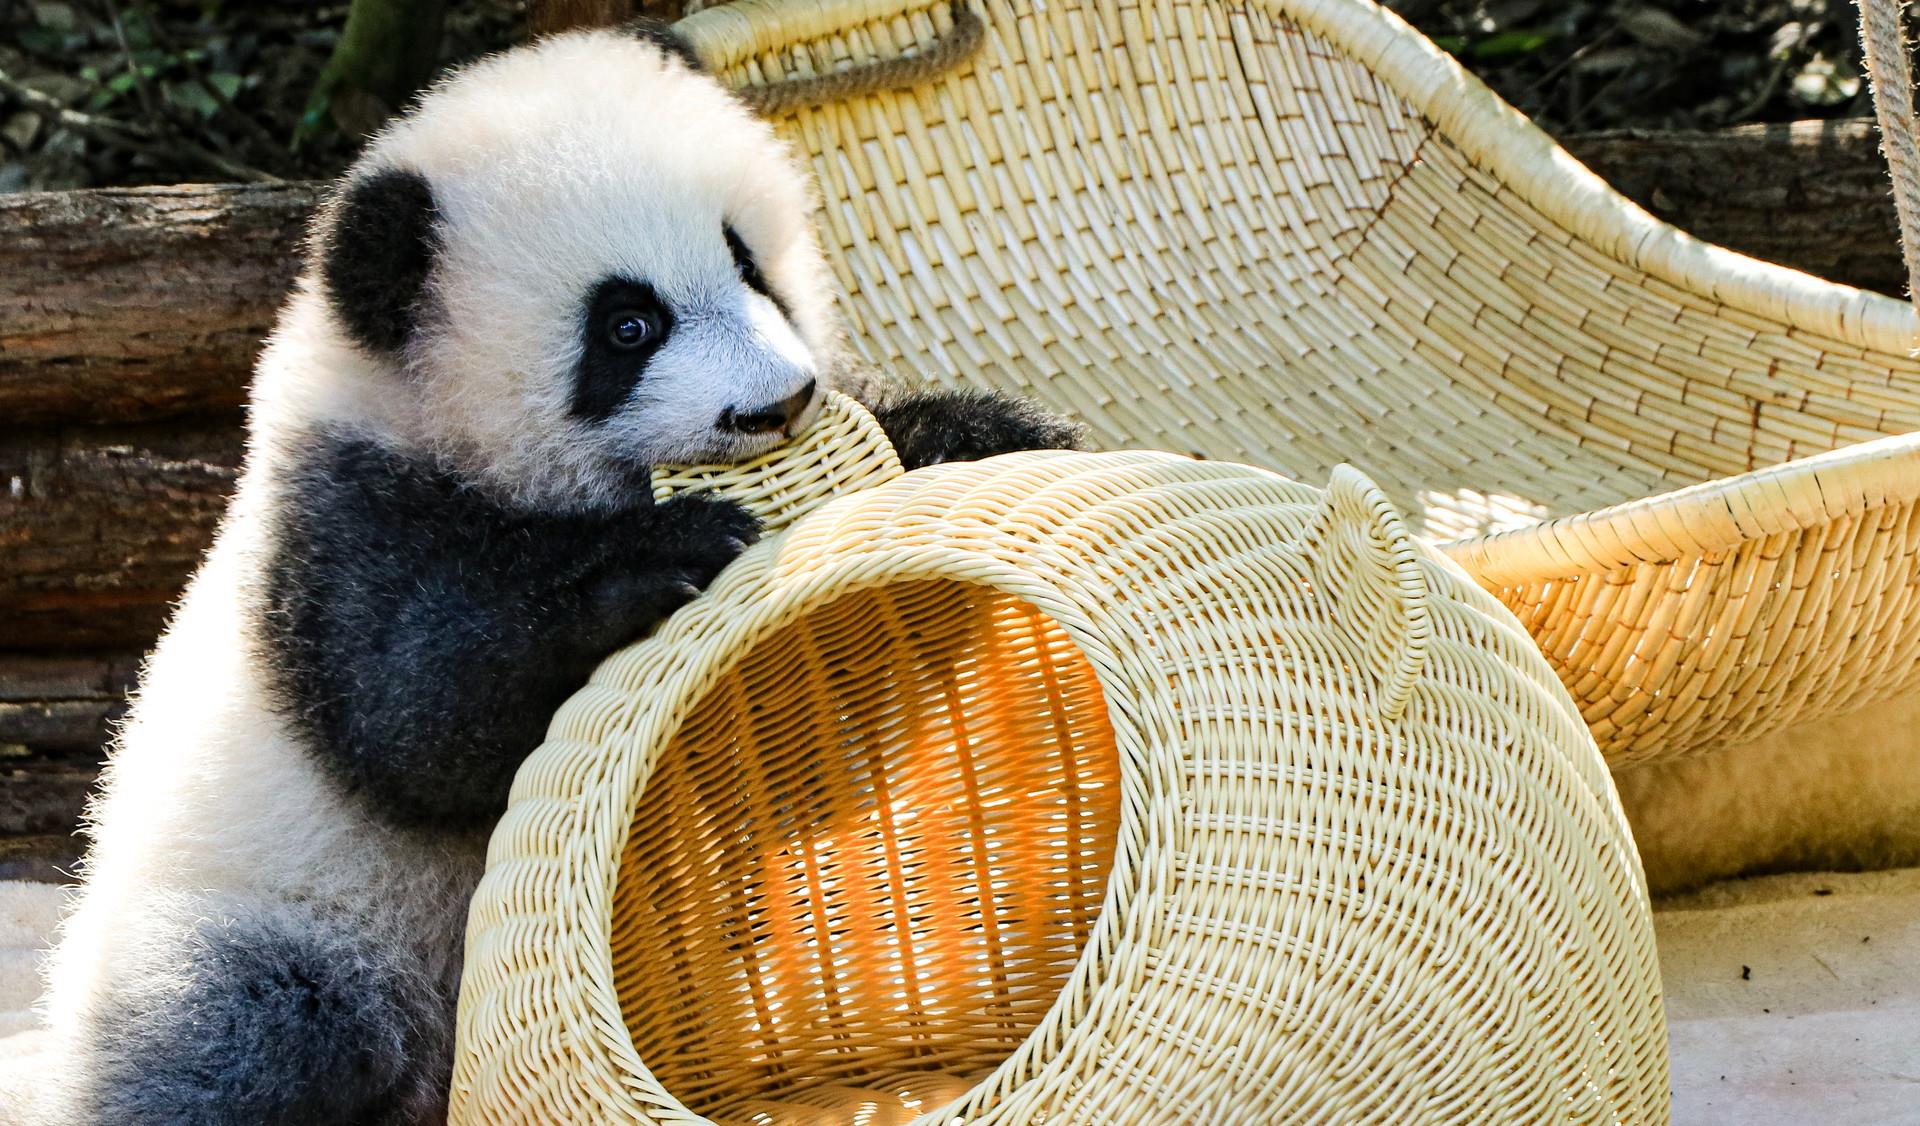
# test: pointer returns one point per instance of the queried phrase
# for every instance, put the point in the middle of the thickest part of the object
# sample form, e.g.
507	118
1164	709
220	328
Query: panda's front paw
681	549
931	427
698	533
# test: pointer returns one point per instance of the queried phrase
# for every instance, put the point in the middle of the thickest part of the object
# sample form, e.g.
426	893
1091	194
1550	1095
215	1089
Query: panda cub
568	263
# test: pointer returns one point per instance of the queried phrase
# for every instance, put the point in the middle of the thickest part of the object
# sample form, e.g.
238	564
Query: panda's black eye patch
624	323
749	269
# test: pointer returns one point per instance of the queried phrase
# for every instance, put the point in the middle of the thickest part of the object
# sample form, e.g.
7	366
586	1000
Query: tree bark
55	718
61	703
49	858
387	50
545	17
121	304
42	795
56	715
99	529
1813	195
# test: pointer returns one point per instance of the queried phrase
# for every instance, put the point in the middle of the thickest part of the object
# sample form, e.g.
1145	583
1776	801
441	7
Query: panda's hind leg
269	1016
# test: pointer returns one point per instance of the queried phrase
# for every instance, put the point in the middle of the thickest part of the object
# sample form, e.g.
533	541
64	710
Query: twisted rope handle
1884	39
723	34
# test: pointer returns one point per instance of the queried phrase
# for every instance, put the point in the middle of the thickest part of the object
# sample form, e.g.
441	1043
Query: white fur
552	167
208	804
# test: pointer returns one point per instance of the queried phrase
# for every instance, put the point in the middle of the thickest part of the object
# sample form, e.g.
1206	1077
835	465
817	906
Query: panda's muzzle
770	417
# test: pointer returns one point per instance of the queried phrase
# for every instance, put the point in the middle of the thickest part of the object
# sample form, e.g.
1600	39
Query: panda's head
566	263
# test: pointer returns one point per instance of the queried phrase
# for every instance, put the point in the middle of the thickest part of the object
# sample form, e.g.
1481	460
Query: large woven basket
1076	788
1294	233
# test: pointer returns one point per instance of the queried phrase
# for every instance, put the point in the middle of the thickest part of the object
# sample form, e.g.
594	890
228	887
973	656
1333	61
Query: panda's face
646	367
582	259
624	315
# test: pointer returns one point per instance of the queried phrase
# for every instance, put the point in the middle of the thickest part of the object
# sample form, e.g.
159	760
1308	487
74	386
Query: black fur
743	261
930	427
422	635
661	35
376	252
608	372
296	1022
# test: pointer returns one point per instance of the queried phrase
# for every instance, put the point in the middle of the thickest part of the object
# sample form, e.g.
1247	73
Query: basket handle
726	34
1363	558
844	450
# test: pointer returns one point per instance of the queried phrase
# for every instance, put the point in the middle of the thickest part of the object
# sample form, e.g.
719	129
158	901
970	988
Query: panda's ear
376	251
661	35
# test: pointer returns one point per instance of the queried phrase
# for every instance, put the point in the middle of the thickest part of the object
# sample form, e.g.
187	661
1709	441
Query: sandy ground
1795	999
1791	999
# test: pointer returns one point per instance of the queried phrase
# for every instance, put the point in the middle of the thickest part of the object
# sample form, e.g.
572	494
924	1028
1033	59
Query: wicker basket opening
868	861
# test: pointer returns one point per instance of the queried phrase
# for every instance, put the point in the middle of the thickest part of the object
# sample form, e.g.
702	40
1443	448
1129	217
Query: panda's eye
631	328
623	323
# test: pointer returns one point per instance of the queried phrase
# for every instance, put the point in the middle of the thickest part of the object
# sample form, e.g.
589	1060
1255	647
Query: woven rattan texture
842	450
1294	233
872	853
1367	864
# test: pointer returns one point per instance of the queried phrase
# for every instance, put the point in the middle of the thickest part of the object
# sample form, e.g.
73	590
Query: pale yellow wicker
842	450
1076	788
1292	232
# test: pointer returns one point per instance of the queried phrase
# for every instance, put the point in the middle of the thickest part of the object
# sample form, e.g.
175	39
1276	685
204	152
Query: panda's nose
770	416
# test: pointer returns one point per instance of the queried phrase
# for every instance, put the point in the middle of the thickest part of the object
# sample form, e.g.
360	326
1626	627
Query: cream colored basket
1076	788
1294	233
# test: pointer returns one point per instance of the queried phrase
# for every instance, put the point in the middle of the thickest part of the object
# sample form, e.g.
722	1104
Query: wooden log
49	858
1813	195
137	303
545	17
99	529
58	724
56	715
43	793
130	304
62	703
42	798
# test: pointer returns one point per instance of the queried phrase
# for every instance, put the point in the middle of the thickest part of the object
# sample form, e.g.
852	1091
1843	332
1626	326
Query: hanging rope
1883	35
948	52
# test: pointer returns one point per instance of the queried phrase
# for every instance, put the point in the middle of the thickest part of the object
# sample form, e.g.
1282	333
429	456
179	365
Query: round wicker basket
1077	788
1296	233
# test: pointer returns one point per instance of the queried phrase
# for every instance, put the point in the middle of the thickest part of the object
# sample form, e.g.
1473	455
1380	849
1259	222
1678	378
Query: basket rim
756	596
1491	133
1711	516
540	1013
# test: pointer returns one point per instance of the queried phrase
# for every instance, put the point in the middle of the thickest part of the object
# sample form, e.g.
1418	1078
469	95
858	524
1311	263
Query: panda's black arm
422	635
930	427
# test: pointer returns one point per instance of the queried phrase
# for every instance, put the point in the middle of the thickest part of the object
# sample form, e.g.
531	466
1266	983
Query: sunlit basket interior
1071	788
870	857
1294	233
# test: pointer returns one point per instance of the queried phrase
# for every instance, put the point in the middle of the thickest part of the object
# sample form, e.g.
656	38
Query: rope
946	53
1885	42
